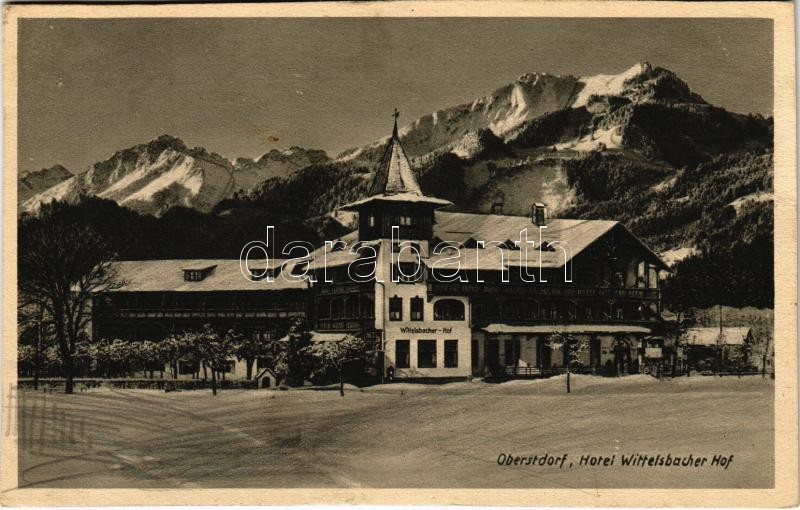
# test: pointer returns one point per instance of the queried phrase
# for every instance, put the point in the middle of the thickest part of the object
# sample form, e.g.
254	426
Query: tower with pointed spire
395	199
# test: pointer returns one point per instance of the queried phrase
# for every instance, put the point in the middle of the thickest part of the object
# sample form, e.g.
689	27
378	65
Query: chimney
497	207
539	214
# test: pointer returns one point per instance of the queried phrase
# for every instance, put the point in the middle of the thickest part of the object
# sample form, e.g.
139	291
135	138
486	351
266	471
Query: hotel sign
417	330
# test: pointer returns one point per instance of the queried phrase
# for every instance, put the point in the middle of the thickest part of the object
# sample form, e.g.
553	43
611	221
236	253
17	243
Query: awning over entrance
566	328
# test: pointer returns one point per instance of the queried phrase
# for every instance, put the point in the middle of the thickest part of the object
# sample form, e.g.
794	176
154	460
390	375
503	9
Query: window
417	306
652	280
406	272
336	309
572	310
324	309
448	310
402	349
192	276
367	305
395	309
512	348
426	353
351	307
371	220
512	310
187	367
485	309
408	246
450	353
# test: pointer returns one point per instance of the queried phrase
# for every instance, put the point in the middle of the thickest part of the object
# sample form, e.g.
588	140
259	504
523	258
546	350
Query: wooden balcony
348	325
196	313
338	289
542	290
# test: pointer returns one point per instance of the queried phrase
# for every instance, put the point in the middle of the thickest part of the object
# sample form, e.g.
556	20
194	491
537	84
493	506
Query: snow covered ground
672	257
400	435
759	196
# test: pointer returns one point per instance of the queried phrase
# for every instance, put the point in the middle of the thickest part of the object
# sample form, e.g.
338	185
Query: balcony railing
480	321
542	290
197	313
330	289
344	324
543	372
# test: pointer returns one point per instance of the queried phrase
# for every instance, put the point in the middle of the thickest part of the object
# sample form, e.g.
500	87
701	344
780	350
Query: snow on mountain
478	143
31	183
503	111
607	84
149	178
642	109
275	163
510	109
162	173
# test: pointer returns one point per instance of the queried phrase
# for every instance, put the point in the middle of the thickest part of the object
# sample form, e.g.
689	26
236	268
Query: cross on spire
395	115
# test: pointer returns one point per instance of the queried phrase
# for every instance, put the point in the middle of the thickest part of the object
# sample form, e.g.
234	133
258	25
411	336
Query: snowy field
403	435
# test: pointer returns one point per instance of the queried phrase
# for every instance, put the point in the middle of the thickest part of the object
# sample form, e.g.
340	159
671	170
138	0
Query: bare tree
61	265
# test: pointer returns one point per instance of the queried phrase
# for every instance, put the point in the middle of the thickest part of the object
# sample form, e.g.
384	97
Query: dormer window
192	276
197	274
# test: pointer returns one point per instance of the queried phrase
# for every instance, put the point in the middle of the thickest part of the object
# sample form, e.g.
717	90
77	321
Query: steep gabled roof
394	174
394	179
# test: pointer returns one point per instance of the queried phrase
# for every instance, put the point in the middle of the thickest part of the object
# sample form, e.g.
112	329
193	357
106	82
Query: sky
241	87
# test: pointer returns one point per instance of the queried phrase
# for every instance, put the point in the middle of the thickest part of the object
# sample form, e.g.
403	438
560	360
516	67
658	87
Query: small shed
713	343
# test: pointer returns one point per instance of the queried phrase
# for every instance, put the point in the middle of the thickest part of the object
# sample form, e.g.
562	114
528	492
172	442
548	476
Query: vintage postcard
473	253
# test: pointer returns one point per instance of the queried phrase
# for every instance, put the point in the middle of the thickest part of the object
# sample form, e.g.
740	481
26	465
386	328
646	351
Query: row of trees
294	360
739	359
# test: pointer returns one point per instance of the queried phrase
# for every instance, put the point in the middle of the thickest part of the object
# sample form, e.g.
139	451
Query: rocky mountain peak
33	182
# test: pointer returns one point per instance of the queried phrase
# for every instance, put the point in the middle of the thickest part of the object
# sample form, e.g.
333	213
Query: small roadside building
707	346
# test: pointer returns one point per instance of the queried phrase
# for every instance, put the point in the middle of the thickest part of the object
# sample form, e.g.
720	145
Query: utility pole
37	355
720	343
